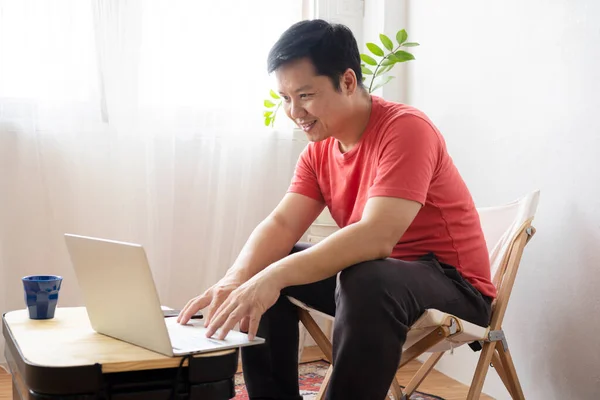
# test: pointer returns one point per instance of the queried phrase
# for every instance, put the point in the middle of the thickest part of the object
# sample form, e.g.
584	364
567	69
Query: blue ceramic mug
41	295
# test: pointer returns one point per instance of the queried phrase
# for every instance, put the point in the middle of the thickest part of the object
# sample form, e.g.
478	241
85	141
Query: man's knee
361	286
374	293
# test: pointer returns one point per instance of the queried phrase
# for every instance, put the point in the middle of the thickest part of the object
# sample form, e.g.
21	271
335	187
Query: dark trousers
374	305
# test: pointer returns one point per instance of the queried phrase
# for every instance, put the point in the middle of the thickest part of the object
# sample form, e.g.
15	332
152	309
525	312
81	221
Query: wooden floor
5	386
437	383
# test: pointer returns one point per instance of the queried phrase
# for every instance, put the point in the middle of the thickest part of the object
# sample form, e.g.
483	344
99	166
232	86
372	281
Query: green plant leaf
402	56
401	36
274	95
384	69
366	71
386	41
368	59
375	49
382	82
389	62
269	104
268	121
410	44
268	113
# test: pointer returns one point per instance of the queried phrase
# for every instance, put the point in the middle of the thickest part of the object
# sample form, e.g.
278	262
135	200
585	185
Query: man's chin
314	137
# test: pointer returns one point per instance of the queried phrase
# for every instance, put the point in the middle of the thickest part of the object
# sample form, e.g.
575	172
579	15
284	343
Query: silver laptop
122	302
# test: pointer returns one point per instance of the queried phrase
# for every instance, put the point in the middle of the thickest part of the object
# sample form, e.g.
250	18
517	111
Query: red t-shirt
401	154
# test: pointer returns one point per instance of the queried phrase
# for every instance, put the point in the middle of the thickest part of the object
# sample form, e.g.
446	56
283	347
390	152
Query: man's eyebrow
303	88
300	89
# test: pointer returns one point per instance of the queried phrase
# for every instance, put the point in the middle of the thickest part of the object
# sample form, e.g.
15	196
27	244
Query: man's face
311	101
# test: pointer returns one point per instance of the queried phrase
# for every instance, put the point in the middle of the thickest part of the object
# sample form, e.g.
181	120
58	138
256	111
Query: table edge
119	366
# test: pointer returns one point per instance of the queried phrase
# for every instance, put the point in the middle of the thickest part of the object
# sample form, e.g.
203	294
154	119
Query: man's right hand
211	300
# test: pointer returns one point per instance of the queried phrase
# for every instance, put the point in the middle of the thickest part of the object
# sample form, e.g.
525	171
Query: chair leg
324	384
497	363
422	373
397	390
511	372
501	370
317	334
423	345
482	367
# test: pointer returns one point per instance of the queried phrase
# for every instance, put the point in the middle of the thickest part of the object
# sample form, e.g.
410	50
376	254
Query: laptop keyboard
192	337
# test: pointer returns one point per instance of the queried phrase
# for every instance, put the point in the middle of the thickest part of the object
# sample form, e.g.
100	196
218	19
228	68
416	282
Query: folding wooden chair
507	230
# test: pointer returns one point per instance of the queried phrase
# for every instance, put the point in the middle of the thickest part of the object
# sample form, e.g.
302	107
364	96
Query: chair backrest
505	230
501	225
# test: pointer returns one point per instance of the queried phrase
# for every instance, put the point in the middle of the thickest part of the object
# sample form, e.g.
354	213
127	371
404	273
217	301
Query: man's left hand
246	305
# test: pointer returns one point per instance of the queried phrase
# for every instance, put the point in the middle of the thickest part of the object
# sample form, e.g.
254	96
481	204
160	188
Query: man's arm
384	221
275	236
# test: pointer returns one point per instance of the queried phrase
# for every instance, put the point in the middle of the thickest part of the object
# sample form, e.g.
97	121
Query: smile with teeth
307	126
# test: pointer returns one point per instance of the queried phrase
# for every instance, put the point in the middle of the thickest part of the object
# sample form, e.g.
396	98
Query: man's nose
296	110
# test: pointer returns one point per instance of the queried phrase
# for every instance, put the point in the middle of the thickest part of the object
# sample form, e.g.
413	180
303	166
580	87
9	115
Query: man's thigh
414	286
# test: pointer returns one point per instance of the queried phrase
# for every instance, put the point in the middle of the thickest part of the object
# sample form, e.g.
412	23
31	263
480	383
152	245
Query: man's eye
305	95
286	99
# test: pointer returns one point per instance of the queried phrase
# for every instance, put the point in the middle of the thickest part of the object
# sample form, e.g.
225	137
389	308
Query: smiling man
410	236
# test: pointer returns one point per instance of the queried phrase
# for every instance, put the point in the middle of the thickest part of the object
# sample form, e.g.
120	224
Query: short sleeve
407	159
305	180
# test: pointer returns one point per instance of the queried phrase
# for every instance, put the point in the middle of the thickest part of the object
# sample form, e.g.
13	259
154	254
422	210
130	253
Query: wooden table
65	358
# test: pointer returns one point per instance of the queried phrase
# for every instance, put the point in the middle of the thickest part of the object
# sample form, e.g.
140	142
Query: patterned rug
310	376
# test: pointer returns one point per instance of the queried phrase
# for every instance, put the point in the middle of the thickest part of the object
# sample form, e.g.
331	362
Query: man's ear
348	81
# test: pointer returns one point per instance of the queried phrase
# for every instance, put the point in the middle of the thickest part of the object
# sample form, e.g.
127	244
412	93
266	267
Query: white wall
387	17
514	86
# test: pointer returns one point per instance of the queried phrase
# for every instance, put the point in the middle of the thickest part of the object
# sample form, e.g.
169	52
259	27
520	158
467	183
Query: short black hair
330	47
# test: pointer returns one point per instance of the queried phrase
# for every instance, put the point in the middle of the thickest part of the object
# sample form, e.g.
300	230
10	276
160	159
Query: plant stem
379	65
275	113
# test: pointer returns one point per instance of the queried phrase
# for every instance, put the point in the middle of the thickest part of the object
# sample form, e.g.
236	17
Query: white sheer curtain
138	121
